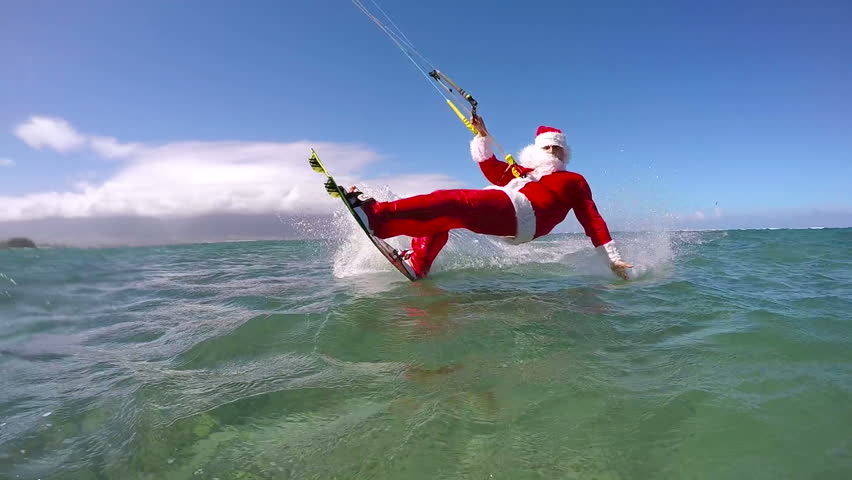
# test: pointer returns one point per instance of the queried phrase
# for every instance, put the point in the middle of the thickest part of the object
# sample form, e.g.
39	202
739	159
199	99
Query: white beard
542	162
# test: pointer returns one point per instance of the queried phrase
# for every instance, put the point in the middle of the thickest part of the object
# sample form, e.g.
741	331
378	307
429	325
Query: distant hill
137	231
18	242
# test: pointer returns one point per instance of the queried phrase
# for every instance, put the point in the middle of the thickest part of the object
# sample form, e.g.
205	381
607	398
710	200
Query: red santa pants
429	218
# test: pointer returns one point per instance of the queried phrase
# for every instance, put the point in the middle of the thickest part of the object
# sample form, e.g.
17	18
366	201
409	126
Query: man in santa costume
517	208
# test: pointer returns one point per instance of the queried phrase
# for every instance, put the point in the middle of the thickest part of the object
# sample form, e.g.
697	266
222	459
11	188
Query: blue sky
164	108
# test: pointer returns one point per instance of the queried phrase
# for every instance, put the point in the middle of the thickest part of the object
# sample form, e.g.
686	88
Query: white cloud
698	215
5	162
203	178
110	147
50	132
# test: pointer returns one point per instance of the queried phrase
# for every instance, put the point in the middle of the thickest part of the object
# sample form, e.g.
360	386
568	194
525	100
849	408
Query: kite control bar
454	89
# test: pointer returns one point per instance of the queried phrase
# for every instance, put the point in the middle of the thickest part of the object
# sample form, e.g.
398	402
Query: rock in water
18	242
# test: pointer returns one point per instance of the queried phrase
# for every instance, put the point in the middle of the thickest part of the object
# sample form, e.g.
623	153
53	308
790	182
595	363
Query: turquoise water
728	356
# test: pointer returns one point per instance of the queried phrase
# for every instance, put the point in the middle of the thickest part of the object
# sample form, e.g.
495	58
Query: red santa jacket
542	204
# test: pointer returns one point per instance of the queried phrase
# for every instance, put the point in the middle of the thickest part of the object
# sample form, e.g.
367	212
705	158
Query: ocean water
728	355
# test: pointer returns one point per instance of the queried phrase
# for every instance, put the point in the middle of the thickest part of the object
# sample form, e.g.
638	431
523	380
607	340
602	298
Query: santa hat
547	136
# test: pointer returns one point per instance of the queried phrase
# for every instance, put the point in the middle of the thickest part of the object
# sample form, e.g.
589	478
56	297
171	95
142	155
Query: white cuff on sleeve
480	149
611	251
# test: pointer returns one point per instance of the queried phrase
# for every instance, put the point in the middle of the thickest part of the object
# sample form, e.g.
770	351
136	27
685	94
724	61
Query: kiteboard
393	255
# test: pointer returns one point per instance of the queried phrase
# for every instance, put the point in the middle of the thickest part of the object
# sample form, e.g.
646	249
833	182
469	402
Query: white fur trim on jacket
550	138
524	213
480	149
610	250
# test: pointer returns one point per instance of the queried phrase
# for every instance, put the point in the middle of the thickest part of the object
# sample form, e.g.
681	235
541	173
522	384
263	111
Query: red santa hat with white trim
547	136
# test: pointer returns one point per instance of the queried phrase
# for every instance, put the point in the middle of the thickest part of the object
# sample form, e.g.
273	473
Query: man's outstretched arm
596	229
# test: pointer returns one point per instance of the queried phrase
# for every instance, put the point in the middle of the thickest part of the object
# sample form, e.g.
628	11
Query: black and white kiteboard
393	255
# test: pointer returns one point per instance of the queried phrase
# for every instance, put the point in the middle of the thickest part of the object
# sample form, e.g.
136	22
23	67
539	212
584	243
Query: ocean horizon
727	355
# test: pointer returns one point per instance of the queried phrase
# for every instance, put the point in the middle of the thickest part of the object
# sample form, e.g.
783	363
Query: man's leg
428	219
488	212
424	250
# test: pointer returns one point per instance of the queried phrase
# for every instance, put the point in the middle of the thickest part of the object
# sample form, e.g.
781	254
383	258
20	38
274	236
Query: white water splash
649	252
355	254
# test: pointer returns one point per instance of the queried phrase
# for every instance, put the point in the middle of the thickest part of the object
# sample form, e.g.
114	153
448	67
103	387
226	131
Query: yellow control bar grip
462	117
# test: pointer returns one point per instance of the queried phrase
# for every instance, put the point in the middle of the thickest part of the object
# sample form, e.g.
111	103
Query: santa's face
543	160
556	151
